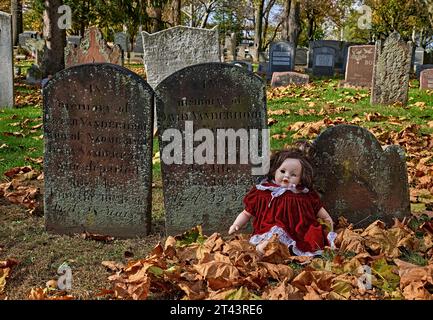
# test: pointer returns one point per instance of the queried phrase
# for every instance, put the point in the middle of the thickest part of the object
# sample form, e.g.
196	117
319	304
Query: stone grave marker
280	79
418	57
230	46
74	40
340	55
170	50
301	57
359	69
420	68
391	71
98	151
358	179
138	45
426	79
281	56
92	49
324	61
6	62
212	96
122	40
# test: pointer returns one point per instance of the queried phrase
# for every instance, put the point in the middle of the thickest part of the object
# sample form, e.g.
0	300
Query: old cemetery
128	166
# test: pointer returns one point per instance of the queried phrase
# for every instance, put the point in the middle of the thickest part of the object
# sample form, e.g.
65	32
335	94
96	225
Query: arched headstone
358	179
213	96
98	151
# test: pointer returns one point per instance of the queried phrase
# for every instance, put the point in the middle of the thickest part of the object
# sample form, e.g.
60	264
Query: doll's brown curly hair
300	151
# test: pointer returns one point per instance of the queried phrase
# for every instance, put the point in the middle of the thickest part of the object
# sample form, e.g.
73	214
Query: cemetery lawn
294	113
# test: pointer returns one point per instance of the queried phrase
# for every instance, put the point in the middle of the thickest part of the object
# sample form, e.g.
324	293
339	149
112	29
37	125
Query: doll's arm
323	214
240	221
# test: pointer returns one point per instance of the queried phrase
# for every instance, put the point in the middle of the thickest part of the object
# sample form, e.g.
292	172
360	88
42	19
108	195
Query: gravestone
391	71
73	40
98	151
359	69
170	50
340	55
324	61
92	49
213	96
420	68
6	62
138	46
301	57
34	75
230	47
358	179
281	56
280	79
122	40
418	57
426	79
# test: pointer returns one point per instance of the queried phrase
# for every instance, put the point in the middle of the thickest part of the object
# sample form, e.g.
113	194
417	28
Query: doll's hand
233	228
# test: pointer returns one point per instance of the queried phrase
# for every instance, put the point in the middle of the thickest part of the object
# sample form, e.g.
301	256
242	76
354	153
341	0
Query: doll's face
289	173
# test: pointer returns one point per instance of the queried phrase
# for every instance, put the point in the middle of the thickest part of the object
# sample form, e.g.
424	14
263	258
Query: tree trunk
174	15
54	55
285	27
154	11
258	19
294	22
17	20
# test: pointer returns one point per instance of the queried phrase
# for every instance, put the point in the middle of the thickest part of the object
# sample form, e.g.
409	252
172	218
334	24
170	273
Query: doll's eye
283	171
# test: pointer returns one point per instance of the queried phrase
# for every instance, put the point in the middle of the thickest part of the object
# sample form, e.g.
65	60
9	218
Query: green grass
16	150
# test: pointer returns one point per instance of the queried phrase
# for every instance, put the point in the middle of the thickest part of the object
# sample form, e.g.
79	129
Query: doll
284	203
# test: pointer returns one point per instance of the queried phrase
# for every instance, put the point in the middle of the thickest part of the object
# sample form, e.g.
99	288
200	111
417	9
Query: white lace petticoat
285	239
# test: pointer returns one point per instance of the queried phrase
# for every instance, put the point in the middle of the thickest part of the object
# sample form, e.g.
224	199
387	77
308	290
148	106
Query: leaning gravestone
418	57
358	179
324	61
359	69
281	56
170	50
212	96
426	79
98	151
391	71
92	49
6	62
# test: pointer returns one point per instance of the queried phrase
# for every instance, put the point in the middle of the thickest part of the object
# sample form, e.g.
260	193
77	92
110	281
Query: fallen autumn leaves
212	268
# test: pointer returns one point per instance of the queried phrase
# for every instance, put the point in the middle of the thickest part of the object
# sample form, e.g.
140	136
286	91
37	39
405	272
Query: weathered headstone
230	47
98	151
391	71
359	69
213	96
426	79
281	56
138	45
301	57
92	49
324	61
170	50
358	179
280	79
122	40
6	62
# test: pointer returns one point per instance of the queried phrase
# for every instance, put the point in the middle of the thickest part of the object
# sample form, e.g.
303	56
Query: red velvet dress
295	213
